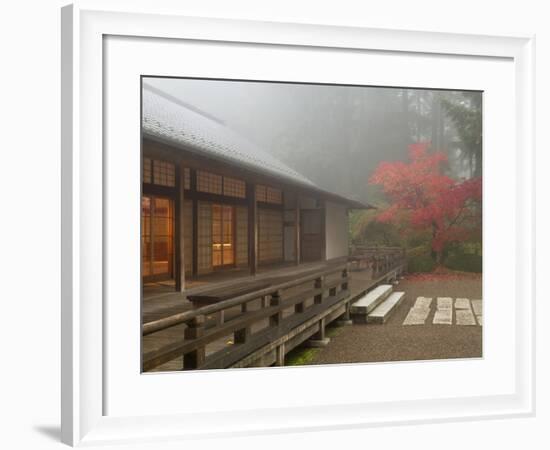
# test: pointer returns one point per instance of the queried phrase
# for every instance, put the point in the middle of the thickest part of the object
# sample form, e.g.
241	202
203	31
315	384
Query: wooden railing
378	260
315	294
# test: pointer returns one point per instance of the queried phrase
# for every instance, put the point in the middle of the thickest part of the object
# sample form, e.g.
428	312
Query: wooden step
383	311
369	302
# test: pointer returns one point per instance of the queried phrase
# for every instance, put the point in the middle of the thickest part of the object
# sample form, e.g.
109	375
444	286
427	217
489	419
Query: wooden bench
219	294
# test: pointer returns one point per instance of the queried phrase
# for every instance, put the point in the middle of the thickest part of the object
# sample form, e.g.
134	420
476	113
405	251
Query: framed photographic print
268	226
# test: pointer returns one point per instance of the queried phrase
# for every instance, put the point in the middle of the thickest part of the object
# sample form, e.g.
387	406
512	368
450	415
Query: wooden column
194	330
280	355
345	319
241	336
319	339
319	284
275	319
297	231
195	224
252	228
178	229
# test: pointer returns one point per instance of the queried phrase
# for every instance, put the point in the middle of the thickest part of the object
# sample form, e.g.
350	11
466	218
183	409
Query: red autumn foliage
423	197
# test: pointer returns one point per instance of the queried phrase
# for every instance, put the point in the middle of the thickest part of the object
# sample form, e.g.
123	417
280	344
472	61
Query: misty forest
413	154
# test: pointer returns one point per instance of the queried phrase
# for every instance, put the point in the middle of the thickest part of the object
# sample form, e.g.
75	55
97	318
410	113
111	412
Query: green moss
302	356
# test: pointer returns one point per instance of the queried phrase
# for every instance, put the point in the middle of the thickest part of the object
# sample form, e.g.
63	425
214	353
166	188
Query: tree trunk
437	255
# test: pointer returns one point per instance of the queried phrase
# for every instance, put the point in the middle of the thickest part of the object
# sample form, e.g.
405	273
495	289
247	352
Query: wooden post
276	319
242	335
319	339
347	315
321	333
252	228
345	319
297	255
280	355
195	224
194	330
345	279
179	231
319	284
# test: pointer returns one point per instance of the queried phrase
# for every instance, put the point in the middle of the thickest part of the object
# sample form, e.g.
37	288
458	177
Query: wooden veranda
284	309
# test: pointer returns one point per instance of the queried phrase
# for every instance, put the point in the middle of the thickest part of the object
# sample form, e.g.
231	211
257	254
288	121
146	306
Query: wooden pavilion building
215	206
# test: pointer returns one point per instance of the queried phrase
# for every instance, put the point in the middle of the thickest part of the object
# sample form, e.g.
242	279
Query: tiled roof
172	121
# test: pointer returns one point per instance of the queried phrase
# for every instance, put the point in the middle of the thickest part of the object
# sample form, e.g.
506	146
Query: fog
337	135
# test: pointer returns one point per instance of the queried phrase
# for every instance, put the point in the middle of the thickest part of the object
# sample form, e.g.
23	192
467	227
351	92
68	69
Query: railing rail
377	259
325	292
170	321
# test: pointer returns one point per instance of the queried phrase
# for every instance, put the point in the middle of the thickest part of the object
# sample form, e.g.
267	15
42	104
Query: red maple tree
421	196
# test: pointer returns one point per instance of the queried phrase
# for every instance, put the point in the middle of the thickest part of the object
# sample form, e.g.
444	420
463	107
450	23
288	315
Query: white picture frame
85	419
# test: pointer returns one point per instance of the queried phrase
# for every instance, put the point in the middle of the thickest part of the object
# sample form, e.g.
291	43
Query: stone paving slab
480	320
417	316
423	302
443	317
477	306
465	317
444	303
462	303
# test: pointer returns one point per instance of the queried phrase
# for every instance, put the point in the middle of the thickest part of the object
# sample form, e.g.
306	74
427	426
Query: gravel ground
396	342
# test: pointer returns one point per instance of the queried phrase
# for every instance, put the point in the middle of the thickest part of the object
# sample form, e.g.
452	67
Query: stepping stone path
419	312
467	313
465	317
462	303
423	303
444	303
444	313
478	310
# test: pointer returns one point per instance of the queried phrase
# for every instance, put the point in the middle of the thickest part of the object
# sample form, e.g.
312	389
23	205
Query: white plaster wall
336	226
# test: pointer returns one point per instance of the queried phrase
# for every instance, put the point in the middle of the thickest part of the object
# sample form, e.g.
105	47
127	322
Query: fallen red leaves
447	276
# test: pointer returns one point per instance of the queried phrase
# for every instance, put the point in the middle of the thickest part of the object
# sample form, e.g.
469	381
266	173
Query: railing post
319	339
345	319
280	355
320	335
195	358
275	300
319	284
241	336
345	279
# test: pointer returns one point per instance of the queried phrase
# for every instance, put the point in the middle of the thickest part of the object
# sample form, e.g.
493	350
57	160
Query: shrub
422	262
464	262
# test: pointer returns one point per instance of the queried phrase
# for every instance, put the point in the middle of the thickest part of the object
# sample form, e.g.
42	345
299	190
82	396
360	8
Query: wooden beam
157	150
178	231
252	228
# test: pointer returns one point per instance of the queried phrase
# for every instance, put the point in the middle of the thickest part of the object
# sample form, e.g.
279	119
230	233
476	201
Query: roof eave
352	204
